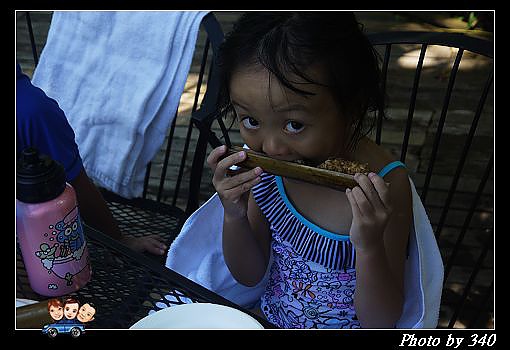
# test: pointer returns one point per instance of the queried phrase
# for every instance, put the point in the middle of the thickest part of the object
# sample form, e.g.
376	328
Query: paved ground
471	78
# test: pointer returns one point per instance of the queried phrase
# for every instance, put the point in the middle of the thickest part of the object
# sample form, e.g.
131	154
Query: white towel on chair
424	271
119	77
197	254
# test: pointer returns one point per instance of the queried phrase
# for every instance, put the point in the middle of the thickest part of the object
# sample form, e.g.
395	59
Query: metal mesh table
126	285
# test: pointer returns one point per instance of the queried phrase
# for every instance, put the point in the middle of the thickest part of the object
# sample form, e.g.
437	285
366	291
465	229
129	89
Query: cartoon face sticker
55	309
86	313
71	308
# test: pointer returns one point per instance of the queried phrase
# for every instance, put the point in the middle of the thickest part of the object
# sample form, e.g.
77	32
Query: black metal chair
169	198
454	160
449	173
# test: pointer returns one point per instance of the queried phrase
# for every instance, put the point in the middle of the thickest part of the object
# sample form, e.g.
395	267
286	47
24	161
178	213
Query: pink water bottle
48	226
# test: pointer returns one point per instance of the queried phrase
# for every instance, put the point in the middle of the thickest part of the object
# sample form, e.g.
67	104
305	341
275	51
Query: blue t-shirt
43	125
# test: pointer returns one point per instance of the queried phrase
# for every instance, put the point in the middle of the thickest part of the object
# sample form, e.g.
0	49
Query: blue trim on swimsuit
390	167
311	225
302	219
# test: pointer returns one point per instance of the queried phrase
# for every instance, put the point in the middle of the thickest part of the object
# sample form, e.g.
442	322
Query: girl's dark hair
288	43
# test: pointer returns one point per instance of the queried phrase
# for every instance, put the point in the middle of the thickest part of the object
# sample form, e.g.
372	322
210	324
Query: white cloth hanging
118	76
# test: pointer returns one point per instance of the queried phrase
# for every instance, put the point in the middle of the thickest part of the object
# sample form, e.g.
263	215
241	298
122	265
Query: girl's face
283	124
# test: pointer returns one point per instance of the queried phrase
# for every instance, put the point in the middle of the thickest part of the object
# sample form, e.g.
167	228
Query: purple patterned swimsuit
312	278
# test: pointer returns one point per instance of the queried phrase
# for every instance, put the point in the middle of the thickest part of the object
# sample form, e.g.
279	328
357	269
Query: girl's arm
381	225
246	245
245	231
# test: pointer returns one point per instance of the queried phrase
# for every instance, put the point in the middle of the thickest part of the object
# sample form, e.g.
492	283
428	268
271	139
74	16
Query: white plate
198	316
23	302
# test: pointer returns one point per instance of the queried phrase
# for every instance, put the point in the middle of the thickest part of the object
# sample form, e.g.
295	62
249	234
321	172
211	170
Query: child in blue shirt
43	125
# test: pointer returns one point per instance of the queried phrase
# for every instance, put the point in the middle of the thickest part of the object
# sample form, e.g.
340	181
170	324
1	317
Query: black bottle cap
38	177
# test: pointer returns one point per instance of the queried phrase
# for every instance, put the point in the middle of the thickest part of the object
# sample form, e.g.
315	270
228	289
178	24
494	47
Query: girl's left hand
371	209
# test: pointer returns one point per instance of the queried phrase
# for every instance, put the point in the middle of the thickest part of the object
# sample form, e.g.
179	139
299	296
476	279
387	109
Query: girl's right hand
233	190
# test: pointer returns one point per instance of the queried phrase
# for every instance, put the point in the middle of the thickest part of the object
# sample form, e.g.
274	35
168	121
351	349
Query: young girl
302	86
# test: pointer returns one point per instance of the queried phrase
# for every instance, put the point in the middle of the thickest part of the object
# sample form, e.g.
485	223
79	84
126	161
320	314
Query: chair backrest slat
32	39
183	163
442	118
207	111
412	103
189	133
384	77
167	157
146	180
224	132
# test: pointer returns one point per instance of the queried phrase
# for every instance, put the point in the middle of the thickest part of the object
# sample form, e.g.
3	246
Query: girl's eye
250	123
294	127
